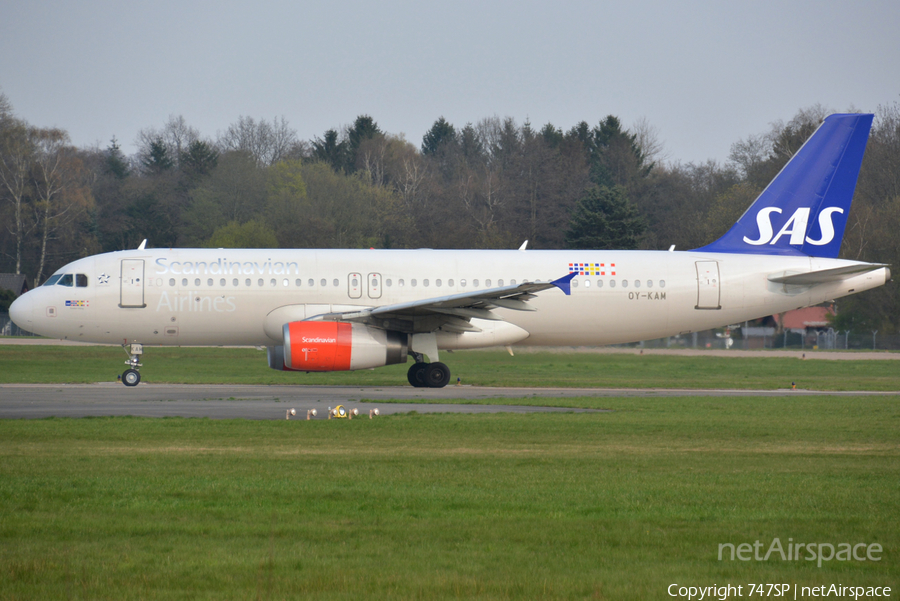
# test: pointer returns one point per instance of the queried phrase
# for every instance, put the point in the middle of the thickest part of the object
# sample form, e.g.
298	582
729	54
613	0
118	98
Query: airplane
336	310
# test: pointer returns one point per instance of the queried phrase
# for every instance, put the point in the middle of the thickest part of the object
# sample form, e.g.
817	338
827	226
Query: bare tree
268	142
59	187
646	136
17	150
6	110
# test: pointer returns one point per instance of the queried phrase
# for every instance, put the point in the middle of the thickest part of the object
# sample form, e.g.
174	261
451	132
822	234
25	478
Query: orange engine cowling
336	346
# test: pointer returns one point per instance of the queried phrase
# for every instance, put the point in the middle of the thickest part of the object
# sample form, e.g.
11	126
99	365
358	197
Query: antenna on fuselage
143	245
524	244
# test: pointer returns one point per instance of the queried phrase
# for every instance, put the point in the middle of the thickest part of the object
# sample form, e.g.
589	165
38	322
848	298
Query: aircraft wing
449	313
824	276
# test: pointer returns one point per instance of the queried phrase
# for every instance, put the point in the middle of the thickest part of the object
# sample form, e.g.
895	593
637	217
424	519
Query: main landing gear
428	375
131	376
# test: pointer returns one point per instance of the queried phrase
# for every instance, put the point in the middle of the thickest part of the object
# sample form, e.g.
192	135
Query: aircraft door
708	289
374	282
354	285
132	284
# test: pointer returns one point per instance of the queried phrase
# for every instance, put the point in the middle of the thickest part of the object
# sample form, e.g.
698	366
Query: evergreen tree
616	158
440	133
116	164
552	135
199	160
364	128
604	220
470	144
158	159
331	150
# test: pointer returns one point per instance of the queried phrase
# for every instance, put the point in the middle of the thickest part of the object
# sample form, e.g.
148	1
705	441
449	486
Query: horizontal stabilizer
823	276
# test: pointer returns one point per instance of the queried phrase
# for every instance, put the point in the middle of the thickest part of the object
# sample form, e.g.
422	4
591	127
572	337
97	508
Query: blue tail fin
804	210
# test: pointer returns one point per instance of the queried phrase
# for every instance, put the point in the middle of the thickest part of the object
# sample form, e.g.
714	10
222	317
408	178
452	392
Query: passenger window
248	283
412	283
587	283
487	283
299	282
612	283
400	282
81	280
184	282
235	282
222	282
323	282
66	280
425	283
599	283
272	282
475	283
499	282
449	283
437	283
649	283
196	281
574	283
637	283
312	283
209	282
388	282
261	282
462	283
512	282
662	283
624	283
336	283
171	281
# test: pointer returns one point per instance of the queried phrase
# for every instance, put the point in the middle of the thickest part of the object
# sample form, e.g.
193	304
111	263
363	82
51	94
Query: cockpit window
81	280
52	279
65	280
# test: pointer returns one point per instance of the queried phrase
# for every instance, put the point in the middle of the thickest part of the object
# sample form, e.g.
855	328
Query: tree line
490	184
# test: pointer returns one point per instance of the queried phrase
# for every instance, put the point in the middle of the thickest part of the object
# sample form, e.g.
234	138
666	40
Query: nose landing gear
131	376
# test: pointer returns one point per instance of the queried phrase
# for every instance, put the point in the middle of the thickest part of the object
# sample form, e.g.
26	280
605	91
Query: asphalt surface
31	401
608	350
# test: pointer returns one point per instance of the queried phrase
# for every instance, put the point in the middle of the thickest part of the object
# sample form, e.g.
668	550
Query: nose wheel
131	376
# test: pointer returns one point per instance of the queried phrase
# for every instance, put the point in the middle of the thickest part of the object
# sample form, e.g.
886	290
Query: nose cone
22	312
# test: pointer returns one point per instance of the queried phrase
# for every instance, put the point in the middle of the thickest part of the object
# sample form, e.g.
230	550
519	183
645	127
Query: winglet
564	283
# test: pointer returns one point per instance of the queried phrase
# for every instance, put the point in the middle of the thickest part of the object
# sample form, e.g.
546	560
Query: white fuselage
243	297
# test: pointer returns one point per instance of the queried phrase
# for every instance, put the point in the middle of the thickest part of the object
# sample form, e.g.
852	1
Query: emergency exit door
708	285
132	291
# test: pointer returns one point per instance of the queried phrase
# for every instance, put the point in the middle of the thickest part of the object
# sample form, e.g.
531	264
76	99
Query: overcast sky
704	73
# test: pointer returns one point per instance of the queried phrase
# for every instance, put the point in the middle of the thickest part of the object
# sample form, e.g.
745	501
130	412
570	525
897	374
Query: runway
34	401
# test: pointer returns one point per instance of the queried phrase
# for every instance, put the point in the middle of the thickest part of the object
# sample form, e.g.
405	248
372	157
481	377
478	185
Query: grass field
58	364
554	506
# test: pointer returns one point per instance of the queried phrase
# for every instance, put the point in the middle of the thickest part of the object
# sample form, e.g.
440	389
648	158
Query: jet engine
336	346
